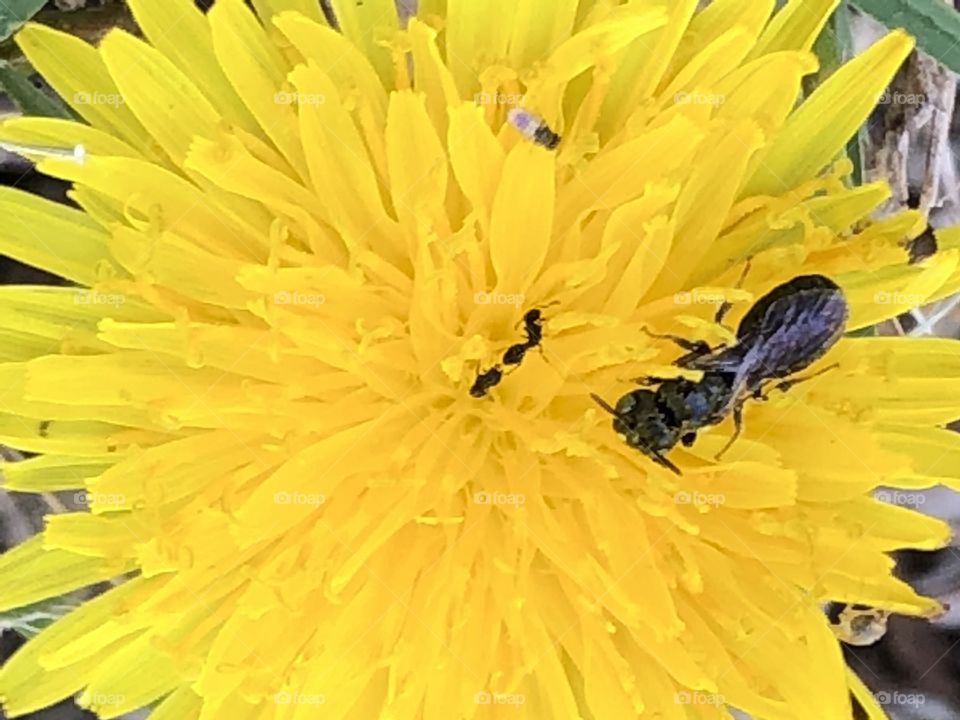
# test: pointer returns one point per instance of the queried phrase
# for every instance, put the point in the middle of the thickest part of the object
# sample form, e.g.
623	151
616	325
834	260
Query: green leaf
833	48
934	23
829	50
14	13
842	27
31	619
30	99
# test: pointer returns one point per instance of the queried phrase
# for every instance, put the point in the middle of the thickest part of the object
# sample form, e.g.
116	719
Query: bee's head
642	423
643	426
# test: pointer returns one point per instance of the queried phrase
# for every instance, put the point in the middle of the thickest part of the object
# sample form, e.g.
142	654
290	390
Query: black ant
485	381
533	329
514	355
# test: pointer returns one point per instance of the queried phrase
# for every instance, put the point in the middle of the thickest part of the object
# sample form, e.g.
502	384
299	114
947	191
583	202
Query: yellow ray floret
298	252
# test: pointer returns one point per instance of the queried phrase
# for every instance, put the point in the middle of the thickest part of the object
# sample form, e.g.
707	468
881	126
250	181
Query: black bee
784	332
643	425
655	421
692	405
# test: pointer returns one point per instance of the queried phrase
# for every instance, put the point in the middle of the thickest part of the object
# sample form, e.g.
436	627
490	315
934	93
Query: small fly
533	128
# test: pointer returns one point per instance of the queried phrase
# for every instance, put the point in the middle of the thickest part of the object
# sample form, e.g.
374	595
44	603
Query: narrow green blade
14	13
934	23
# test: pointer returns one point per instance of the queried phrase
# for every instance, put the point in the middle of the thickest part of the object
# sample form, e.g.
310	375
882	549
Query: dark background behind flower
915	669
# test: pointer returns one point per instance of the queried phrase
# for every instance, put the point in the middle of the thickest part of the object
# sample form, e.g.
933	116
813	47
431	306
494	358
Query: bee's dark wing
727	359
796	324
785	331
771	303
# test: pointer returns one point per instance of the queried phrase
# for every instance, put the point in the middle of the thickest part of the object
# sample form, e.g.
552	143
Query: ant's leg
787	384
546	359
727	306
737	428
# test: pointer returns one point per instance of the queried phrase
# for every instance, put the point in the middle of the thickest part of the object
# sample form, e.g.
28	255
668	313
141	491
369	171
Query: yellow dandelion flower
297	248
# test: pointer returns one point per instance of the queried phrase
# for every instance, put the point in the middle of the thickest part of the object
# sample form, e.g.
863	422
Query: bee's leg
787	384
702	350
648	380
694	348
737	428
726	306
689	439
